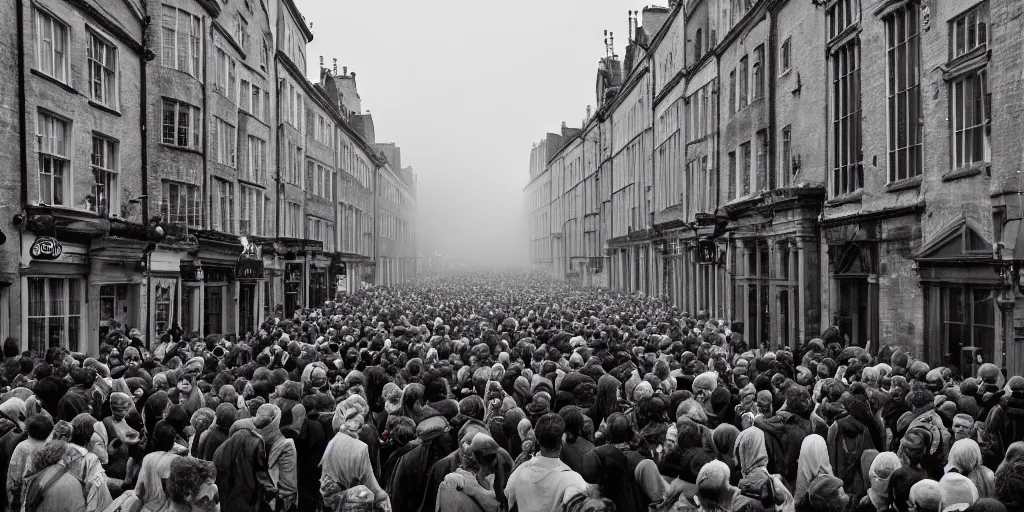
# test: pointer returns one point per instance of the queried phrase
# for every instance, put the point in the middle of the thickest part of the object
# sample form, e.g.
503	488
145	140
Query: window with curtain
54	313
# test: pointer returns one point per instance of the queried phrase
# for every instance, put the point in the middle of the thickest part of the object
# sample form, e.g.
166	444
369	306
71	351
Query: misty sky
465	88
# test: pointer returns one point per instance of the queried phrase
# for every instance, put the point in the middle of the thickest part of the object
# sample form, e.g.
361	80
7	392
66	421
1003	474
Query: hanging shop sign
249	269
46	248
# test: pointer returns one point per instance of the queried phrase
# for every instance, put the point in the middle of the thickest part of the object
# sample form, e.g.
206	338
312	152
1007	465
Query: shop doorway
247	308
114	308
213	310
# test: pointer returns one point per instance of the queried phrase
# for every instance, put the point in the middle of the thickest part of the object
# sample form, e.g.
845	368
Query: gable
961	239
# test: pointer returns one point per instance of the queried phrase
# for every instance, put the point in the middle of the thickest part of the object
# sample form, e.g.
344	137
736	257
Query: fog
465	88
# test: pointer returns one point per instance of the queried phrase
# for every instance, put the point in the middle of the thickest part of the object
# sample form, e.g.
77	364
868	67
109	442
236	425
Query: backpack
37	486
357	499
127	502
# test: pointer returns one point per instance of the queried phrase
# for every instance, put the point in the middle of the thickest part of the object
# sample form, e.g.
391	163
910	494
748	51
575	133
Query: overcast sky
465	88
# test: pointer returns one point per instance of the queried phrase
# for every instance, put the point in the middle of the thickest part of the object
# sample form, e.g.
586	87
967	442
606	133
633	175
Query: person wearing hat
408	487
240	462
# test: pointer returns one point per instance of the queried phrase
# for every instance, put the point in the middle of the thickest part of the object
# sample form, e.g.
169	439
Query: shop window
113	307
54	313
188	307
964	318
162	315
292	289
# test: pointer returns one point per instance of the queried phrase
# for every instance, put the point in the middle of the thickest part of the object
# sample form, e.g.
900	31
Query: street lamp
198	266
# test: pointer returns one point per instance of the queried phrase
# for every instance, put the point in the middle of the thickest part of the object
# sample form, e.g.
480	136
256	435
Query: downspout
376	219
23	119
144	157
770	76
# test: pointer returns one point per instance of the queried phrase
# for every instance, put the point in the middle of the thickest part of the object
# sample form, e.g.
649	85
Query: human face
961	428
185	386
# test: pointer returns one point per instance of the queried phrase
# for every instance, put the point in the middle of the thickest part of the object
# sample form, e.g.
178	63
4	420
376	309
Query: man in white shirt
544	483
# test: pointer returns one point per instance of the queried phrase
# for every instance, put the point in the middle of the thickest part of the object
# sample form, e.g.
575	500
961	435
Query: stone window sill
904	184
104	108
853	197
48	78
965	172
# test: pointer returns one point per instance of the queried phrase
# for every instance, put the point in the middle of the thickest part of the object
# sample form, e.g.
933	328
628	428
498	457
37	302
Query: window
733	177
182	125
786	162
54	164
102	58
297	167
732	91
257	168
241	30
969	117
224	195
256	104
105	200
320	229
762	162
842	15
224	75
969	31
904	93
181	44
785	56
54	313
758	72
697	40
293	220
245	96
181	204
265	54
745	177
847	169
252	211
226	142
744	85
52	43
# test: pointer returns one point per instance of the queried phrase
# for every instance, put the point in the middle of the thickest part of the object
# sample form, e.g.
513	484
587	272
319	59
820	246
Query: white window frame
961	157
786	156
192	200
55	145
903	159
194	131
106	164
103	70
186	41
786	56
223	218
257	152
226	139
252	211
52	58
64	315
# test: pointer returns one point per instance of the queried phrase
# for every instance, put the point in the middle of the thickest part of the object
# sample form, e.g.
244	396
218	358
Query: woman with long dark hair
607	402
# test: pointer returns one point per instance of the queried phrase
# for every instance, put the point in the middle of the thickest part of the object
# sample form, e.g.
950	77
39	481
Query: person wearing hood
281	457
848	438
965	459
209	441
346	461
958	492
756	483
407	486
78	398
544	483
476	486
785	431
454	460
242	470
879	474
813	461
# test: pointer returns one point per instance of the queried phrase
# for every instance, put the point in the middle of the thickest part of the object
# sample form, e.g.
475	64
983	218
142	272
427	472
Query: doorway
247	308
213	310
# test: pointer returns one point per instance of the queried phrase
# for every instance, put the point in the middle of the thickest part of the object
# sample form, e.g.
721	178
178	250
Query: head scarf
823	491
881	470
713	480
121	403
750	451
957	489
813	461
965	458
926	495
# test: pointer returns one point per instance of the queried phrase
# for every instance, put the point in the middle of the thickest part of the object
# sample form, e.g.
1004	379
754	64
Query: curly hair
188	474
51	453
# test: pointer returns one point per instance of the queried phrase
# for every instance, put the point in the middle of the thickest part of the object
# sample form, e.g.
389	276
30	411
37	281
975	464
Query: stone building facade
847	163
171	165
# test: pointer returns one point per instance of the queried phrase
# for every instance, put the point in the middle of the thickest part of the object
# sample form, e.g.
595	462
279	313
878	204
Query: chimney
563	125
588	112
344	70
335	66
321	62
353	75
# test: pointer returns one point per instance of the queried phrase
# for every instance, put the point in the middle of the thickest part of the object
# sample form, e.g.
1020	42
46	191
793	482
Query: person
813	461
346	461
631	481
191	486
544	483
156	469
477	485
965	459
215	436
38	428
49	486
879	474
958	492
243	480
407	487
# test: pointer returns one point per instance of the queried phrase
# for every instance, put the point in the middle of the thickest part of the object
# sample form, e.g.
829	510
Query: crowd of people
501	392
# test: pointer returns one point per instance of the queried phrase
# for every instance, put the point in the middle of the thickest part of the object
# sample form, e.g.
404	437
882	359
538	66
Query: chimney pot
353	75
321	61
344	70
335	66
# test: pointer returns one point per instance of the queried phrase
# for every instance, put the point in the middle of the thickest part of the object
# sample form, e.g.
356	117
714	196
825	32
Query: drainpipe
770	76
23	119
144	157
